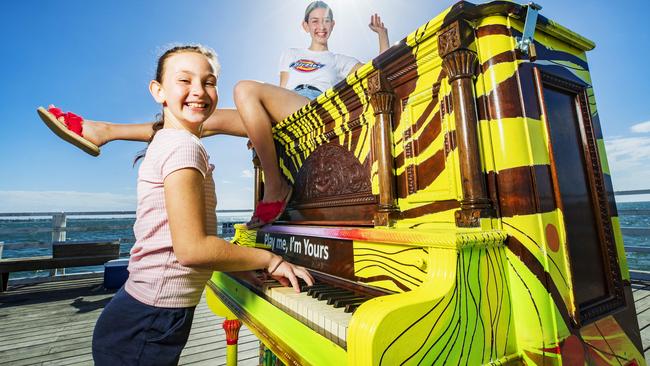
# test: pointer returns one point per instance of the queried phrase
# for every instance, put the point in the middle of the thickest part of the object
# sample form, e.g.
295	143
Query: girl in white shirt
304	74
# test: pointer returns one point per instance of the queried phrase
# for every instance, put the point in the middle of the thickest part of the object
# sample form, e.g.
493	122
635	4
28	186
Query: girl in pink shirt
148	321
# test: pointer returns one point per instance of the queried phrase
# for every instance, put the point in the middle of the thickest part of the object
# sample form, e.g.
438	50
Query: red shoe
267	212
71	129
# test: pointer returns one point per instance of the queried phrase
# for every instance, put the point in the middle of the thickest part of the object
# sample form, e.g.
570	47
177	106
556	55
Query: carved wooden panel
330	172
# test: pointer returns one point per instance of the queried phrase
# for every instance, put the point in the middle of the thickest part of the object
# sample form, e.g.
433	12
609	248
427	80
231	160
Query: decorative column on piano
459	62
382	101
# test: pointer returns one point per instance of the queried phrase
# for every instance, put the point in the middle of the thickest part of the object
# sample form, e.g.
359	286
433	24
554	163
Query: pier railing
59	229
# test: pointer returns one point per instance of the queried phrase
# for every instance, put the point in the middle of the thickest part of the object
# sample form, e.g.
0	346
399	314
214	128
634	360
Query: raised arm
377	26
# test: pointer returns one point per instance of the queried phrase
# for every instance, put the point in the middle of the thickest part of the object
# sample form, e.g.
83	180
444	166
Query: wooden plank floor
641	292
52	324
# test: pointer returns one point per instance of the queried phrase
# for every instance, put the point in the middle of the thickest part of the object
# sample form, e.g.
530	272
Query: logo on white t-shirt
304	65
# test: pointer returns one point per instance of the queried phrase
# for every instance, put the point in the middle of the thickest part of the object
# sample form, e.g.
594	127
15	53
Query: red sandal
267	212
71	129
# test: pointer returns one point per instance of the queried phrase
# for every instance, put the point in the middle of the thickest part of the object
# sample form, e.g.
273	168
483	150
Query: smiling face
319	25
187	90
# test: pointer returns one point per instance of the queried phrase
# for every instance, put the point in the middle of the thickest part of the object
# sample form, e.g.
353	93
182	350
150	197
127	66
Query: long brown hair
160	70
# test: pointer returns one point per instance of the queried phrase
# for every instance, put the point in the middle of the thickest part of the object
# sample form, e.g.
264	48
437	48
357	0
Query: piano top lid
461	10
470	11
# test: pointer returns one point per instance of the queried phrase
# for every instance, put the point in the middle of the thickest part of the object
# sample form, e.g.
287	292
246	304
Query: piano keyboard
323	307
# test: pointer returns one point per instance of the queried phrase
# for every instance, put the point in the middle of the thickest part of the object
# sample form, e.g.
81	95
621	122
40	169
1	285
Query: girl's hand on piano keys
287	274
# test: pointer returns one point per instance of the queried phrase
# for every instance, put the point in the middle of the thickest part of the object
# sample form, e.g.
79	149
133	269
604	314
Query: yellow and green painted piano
453	199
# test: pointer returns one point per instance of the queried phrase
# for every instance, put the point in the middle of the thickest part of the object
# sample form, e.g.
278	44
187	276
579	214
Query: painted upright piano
453	199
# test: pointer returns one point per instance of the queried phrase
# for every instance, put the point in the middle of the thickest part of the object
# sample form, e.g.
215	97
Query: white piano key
315	313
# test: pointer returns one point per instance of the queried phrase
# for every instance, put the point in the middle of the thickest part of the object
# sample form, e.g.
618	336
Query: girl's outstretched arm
185	203
222	121
377	26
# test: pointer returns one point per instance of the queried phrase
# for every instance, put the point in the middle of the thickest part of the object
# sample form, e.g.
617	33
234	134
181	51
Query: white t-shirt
321	69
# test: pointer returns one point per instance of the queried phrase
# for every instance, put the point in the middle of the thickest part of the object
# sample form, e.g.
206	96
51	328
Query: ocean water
121	228
637	261
90	228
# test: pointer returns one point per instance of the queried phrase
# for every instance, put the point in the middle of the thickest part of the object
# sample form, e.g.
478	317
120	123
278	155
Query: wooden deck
52	324
641	292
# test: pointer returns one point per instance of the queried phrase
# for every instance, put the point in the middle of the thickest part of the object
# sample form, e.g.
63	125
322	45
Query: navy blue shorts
129	332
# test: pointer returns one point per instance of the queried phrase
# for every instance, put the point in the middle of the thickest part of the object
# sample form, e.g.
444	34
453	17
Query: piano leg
231	326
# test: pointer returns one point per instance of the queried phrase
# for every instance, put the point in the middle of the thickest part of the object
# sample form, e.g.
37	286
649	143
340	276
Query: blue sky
96	58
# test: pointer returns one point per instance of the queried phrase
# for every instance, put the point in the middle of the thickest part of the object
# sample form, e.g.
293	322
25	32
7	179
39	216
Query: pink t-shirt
156	277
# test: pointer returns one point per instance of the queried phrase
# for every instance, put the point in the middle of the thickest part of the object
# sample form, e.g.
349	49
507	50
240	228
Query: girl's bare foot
95	132
69	127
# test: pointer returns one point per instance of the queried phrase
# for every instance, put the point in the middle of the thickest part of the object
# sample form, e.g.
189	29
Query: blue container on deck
115	273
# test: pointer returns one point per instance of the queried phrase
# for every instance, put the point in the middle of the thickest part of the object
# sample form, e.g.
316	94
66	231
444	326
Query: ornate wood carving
381	94
456	36
331	171
460	66
382	99
411	173
449	39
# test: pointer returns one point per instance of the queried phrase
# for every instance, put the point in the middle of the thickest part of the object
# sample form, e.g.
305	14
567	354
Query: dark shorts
129	332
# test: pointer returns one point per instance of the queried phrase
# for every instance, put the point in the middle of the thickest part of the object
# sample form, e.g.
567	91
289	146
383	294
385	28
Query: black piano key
350	308
316	293
330	295
342	297
317	285
312	289
342	302
302	284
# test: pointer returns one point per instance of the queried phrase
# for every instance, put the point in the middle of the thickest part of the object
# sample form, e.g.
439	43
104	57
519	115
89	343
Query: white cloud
628	152
641	127
42	201
247	173
629	162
